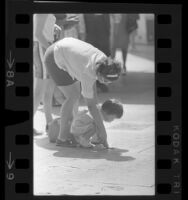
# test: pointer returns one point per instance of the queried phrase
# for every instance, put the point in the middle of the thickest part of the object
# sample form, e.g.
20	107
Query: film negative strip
18	135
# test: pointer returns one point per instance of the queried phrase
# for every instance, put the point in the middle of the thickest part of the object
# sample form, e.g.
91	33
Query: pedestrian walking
132	26
97	28
119	37
44	27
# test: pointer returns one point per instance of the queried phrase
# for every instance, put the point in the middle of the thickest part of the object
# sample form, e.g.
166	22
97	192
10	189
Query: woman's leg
58	97
70	89
48	96
72	94
76	107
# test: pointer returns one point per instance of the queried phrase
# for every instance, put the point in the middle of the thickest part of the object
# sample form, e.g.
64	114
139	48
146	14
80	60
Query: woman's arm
40	23
92	106
98	120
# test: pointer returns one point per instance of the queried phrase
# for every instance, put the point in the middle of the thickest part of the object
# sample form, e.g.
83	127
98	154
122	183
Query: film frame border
18	94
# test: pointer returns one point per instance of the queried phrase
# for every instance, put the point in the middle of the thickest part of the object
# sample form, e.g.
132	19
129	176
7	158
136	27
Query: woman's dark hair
109	69
113	107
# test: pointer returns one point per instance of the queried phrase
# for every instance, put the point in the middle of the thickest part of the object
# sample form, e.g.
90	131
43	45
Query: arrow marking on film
10	163
10	62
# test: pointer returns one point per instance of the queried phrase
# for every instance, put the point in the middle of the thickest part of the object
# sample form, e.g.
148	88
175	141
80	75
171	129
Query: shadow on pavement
114	154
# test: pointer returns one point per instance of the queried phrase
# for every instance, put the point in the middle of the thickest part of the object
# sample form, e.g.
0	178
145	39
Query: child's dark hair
109	69
113	107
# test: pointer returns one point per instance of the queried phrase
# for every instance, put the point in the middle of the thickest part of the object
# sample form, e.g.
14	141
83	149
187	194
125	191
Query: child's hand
103	140
106	144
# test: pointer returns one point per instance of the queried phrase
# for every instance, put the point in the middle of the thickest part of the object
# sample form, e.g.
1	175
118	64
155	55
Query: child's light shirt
82	122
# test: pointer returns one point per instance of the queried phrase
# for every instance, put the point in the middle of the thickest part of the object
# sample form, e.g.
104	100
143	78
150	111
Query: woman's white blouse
79	59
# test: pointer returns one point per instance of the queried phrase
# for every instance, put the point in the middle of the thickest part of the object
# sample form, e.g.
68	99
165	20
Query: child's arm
98	120
79	123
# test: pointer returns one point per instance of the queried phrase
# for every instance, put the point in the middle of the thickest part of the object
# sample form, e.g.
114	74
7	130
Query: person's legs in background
100	86
38	77
113	52
132	40
39	83
124	52
48	96
38	93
